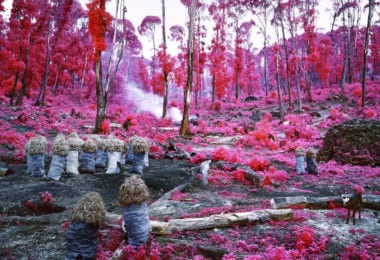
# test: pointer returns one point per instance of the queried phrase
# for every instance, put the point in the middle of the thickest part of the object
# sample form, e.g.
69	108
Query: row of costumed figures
74	155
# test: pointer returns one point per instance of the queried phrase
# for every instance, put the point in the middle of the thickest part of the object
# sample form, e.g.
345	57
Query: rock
354	142
251	98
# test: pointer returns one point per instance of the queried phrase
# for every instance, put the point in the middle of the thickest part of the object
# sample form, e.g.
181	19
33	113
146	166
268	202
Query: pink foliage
46	197
225	154
239	176
198	158
274	176
14	140
65	225
156	151
178	195
359	189
369	113
229	194
258	163
105	127
304	238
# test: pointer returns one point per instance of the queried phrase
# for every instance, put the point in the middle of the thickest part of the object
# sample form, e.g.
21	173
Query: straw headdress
311	153
90	209
90	146
36	145
75	142
60	145
114	144
133	191
300	151
140	144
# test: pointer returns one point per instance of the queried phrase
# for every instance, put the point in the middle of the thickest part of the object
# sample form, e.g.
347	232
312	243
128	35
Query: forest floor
318	233
311	233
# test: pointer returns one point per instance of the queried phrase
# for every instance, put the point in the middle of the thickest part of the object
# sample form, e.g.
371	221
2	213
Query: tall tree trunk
14	88
265	67
278	89
23	80
119	49
100	109
287	65
56	81
299	103
40	101
184	130
346	40
237	88
82	80
213	91
166	83
365	54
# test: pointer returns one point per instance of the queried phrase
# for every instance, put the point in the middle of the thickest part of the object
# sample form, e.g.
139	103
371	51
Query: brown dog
354	203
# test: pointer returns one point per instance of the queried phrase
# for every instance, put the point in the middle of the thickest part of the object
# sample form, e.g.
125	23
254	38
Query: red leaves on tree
98	21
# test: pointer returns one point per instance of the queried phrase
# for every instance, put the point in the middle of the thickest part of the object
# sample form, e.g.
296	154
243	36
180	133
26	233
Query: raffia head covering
75	142
114	144
36	145
90	146
133	191
60	145
140	144
89	209
300	151
311	153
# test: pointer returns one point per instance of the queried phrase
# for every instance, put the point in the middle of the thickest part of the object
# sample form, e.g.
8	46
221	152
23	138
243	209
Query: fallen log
213	221
369	201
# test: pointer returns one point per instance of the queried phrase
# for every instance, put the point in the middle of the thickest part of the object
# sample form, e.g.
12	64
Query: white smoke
149	102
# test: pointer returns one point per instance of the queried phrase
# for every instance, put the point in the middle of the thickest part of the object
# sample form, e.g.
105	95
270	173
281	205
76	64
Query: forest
248	85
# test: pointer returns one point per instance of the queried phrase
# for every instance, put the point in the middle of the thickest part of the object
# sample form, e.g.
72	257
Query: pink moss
224	154
178	195
105	127
198	158
258	163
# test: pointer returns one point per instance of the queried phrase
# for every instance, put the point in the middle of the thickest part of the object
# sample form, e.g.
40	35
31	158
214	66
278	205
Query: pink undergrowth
297	241
258	145
179	196
262	136
368	247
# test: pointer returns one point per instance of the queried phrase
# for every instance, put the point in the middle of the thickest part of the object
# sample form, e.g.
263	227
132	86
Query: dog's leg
348	216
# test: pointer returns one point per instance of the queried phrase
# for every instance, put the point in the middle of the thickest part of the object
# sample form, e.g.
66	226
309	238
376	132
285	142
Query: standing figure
88	159
101	153
300	160
82	236
140	154
72	158
115	148
311	161
58	162
35	150
133	196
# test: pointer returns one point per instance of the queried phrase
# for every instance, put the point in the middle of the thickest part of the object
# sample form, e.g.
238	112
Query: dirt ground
25	235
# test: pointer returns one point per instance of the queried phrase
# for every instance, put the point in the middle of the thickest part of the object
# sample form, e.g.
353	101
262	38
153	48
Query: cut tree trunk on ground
213	221
369	201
